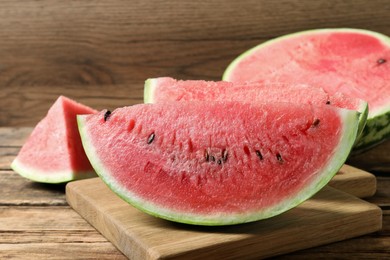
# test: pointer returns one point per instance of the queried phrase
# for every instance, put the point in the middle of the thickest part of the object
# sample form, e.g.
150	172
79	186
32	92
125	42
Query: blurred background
101	52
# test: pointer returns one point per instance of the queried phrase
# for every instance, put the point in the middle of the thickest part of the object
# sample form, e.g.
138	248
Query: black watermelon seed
224	155
206	155
279	157
212	158
258	153
151	138
219	161
381	61
316	122
107	115
328	102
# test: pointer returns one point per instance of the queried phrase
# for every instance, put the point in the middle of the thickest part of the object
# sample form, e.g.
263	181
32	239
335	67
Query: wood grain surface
100	52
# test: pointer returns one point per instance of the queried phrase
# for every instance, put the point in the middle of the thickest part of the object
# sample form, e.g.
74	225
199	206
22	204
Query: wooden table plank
44	232
7	155
13	136
16	190
50	236
41	218
219	19
359	248
382	195
77	250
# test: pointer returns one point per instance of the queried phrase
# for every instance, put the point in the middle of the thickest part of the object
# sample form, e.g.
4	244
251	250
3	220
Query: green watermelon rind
53	177
377	125
152	84
341	152
375	132
363	115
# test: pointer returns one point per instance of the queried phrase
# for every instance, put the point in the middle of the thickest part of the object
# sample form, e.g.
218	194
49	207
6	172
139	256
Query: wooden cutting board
331	215
354	181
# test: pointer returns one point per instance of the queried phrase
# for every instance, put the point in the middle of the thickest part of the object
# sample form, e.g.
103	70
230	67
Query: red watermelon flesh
351	61
167	89
218	163
53	153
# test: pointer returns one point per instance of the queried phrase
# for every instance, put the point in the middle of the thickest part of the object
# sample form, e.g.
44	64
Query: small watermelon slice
218	163
53	153
168	89
351	61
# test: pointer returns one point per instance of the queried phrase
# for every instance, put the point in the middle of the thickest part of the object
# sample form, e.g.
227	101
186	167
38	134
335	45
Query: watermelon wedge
53	153
351	61
218	163
167	89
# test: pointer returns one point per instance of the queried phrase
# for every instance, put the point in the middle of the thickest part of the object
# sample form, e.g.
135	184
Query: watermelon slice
53	153
351	61
168	89
218	163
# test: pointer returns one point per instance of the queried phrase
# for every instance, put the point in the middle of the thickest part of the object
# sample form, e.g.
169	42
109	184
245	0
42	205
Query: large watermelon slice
351	61
218	163
53	153
167	89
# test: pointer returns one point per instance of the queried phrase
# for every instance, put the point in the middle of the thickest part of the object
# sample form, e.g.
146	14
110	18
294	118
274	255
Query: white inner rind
48	177
149	87
347	138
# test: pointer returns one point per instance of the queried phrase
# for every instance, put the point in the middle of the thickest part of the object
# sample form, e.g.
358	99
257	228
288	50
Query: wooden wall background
100	52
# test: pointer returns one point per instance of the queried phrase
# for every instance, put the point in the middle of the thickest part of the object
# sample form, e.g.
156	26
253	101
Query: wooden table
37	223
100	53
